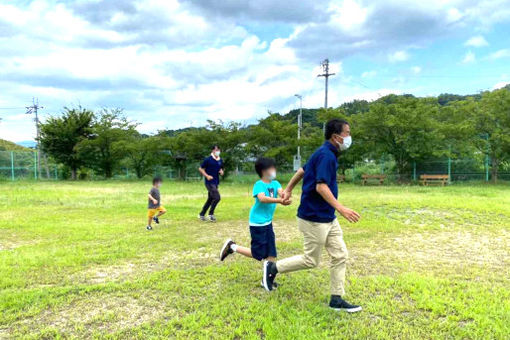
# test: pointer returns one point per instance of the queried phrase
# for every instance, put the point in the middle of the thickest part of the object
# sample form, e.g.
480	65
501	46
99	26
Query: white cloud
17	127
169	62
501	84
416	69
349	15
476	41
469	58
398	56
453	14
368	74
503	53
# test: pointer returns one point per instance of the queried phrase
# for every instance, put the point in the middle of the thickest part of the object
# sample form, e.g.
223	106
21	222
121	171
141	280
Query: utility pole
326	75
300	125
33	109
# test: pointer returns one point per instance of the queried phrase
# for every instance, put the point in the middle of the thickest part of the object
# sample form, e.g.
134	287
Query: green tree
103	150
60	136
490	126
142	153
273	137
404	127
190	146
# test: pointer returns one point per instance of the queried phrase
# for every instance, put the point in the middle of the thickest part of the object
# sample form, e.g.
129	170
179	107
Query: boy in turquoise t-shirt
267	193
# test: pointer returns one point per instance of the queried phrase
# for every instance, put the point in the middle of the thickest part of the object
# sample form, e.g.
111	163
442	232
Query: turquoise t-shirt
262	213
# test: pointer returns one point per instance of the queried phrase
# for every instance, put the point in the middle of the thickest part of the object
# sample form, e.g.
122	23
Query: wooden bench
380	178
434	179
340	178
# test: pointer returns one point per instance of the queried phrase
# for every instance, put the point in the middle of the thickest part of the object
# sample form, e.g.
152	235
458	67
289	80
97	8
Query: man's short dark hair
263	164
157	179
334	126
215	146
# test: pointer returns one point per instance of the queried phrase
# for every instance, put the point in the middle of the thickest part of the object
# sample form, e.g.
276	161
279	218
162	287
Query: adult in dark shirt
316	216
211	168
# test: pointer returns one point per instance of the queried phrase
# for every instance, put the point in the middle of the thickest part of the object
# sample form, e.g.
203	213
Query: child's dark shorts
263	243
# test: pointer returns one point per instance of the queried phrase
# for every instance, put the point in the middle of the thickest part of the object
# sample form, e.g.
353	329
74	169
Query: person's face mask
346	144
217	153
272	175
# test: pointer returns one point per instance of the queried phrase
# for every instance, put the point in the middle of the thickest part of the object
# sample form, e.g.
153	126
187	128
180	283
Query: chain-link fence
15	165
457	170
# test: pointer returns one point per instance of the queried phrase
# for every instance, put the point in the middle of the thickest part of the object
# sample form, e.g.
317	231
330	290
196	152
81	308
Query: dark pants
213	198
263	242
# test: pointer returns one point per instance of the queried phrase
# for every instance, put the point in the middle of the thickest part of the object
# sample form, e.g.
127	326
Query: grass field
76	262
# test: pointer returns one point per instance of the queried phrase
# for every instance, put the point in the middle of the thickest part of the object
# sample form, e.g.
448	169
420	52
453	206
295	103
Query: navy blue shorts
263	243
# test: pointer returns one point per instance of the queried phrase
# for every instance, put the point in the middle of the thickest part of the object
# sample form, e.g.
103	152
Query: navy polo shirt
320	168
212	167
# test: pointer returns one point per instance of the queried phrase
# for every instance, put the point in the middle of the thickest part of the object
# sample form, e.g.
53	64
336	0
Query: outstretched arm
298	176
349	214
265	199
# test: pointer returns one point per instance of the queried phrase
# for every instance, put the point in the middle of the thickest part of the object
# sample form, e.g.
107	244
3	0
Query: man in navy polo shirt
316	216
211	168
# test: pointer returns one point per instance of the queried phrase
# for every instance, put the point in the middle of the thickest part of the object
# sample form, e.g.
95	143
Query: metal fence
15	165
458	170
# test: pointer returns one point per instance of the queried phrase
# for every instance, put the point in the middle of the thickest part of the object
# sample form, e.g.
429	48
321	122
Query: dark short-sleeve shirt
212	167
154	193
320	168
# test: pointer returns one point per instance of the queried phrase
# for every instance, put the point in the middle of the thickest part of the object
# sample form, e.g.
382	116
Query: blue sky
175	63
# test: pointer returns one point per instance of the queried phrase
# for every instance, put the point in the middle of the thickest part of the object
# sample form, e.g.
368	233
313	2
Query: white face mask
217	153
272	175
346	144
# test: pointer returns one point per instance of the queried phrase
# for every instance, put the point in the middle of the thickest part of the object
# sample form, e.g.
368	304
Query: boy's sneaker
156	219
269	273
337	303
212	218
275	285
202	218
149	227
226	250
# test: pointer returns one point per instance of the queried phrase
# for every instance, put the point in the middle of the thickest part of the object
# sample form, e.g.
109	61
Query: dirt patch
442	218
429	250
101	274
13	244
105	314
132	270
4	333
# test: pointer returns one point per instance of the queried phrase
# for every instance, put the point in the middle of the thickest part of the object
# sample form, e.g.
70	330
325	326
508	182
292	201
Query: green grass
76	262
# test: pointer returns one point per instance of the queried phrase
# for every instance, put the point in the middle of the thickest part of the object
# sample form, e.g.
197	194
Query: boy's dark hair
215	146
334	126
263	164
157	179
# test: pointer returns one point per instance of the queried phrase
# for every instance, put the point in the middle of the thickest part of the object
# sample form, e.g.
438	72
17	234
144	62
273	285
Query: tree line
404	128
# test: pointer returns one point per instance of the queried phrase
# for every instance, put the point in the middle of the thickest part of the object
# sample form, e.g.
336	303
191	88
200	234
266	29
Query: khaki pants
316	236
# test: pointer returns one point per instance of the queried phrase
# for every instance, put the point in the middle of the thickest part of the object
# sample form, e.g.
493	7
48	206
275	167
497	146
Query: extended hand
349	214
286	195
285	201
